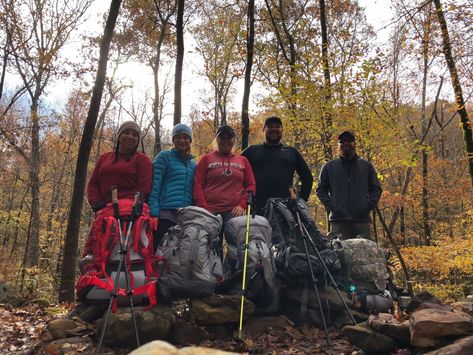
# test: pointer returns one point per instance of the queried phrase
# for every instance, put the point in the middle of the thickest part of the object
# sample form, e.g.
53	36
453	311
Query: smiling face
182	142
128	141
347	147
225	143
273	132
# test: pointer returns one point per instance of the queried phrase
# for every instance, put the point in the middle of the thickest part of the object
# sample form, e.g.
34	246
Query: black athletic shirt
273	167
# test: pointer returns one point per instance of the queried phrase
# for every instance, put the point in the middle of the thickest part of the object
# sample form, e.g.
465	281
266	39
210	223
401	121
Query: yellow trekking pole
245	258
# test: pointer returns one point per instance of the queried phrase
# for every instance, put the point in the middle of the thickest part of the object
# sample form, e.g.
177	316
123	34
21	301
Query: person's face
225	143
128	141
182	142
346	147
273	132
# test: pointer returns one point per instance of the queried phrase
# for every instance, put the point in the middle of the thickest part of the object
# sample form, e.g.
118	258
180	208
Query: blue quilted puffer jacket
173	178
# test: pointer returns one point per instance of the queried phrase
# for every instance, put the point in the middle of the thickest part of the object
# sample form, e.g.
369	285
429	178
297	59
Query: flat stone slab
367	339
463	346
438	323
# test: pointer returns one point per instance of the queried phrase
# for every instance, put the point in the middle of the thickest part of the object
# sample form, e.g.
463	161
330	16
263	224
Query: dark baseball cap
225	130
346	135
272	119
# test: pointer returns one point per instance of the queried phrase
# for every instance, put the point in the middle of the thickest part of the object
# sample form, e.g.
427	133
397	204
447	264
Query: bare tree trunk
179	62
464	119
425	127
327	107
32	246
66	291
250	40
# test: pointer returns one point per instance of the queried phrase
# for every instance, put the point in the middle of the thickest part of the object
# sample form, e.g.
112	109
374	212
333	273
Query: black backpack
291	259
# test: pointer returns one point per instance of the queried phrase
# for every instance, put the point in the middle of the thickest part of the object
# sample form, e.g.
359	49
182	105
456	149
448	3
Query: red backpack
97	280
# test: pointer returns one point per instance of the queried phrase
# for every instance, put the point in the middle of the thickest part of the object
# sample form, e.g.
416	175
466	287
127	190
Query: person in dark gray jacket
349	188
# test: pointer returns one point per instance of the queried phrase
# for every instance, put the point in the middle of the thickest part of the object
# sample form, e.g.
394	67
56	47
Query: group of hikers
220	181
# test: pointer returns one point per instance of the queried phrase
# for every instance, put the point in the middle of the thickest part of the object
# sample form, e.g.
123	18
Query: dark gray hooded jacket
349	189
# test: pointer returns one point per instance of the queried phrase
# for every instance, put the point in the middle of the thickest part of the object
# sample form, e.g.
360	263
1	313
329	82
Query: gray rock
58	328
185	333
92	313
463	346
220	309
368	339
328	295
344	318
385	323
152	325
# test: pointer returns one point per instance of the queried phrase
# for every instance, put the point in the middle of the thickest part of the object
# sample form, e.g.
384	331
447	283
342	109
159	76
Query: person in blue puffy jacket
173	177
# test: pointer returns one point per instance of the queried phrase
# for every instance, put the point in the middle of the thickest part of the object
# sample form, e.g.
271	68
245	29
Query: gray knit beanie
181	128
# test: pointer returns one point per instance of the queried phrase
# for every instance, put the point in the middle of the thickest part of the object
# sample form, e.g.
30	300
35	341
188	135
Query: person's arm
323	188
159	170
199	183
249	183
374	186
93	187
305	175
145	175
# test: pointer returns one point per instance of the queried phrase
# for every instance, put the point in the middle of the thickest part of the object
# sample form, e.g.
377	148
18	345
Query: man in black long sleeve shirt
274	164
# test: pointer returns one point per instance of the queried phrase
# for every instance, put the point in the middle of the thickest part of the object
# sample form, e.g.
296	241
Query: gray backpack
260	263
193	266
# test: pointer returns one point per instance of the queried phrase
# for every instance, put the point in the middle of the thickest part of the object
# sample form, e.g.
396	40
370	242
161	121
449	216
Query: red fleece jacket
130	176
222	182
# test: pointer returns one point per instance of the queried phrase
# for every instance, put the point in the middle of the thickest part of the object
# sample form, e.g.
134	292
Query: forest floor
23	331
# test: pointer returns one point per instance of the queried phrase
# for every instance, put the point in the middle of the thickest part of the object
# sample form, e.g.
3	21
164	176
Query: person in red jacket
223	179
125	168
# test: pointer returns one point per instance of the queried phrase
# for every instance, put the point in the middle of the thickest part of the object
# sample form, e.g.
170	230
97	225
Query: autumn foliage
393	95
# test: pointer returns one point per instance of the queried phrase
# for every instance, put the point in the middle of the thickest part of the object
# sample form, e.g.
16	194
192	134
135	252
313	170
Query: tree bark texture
327	93
465	122
66	291
179	62
250	40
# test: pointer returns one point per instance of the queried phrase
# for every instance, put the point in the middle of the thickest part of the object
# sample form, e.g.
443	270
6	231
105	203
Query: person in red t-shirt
223	179
126	168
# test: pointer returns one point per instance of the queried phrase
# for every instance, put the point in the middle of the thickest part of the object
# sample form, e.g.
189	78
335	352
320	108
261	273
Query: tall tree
66	291
179	62
327	88
465	121
250	41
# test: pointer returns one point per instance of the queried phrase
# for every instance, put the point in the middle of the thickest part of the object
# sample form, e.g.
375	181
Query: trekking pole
114	294
136	212
245	259
327	271
293	200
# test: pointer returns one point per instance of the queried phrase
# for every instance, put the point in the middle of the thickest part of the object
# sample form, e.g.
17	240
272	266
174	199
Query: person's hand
238	211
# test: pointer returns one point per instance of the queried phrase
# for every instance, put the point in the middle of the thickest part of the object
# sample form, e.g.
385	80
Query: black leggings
163	226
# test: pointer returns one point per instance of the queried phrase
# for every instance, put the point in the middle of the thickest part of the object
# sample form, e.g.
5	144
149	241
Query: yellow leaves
450	261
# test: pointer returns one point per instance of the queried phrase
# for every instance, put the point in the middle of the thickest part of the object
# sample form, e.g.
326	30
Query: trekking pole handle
251	198
137	204
292	193
116	210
